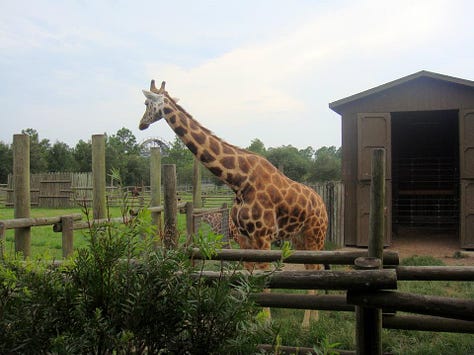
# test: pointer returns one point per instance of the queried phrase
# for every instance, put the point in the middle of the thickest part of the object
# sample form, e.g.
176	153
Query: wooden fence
332	193
67	190
365	287
3	194
370	290
54	190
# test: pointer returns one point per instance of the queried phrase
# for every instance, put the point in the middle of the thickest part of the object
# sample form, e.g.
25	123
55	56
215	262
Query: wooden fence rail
326	279
369	290
447	307
297	256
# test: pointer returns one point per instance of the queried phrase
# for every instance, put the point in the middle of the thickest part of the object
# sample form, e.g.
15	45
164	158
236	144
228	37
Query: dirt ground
441	245
444	246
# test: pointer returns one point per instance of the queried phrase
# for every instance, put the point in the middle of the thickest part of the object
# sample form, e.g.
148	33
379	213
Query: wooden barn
425	122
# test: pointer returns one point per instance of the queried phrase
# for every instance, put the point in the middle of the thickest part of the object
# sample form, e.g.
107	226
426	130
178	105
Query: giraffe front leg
246	243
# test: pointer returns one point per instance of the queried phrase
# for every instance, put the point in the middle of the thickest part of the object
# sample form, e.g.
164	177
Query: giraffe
214	220
268	205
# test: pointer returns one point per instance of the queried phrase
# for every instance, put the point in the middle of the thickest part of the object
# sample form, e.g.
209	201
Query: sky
244	69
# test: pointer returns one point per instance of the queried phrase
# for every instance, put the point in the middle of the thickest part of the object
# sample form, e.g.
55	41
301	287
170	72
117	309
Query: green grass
339	327
45	243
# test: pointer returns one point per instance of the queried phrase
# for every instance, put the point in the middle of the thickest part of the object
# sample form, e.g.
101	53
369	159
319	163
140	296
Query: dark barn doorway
425	173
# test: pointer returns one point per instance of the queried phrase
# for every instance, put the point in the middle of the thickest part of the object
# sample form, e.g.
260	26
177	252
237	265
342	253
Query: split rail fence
370	289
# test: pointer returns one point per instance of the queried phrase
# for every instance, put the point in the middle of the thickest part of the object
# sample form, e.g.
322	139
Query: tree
83	156
182	157
327	164
124	142
123	154
60	158
6	162
137	171
290	161
257	146
38	151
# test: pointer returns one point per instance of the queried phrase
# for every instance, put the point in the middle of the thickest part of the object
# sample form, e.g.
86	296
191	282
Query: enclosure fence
370	290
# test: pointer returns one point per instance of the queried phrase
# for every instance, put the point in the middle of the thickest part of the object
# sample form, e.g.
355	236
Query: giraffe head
155	103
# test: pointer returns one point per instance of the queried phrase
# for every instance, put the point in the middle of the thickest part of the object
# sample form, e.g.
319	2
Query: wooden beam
22	197
170	235
435	273
291	300
427	323
326	280
462	309
297	257
99	207
35	222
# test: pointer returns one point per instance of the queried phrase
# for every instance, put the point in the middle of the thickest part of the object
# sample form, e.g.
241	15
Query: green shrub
122	295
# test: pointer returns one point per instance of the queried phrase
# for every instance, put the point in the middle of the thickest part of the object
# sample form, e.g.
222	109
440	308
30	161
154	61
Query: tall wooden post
369	320
377	205
98	176
189	223
67	224
2	240
21	182
170	236
155	186
197	184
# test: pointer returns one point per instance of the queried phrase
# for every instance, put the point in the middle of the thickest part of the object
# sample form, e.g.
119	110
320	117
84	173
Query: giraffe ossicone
268	205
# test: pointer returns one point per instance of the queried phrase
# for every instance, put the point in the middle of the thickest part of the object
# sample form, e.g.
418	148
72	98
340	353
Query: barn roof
421	74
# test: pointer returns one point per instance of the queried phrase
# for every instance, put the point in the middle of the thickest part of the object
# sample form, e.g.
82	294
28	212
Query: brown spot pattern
268	205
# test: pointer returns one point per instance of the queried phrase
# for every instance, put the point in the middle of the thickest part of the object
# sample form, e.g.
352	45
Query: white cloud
262	81
251	73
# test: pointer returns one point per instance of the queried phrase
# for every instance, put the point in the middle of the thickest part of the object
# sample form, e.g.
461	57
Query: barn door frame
466	174
374	130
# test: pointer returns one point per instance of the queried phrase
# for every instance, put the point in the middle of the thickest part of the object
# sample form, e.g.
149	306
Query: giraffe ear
152	96
175	99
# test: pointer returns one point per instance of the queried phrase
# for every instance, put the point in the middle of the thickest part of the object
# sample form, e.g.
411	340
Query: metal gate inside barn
425	121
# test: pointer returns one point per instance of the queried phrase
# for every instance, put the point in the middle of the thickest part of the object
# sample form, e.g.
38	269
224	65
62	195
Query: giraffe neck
220	157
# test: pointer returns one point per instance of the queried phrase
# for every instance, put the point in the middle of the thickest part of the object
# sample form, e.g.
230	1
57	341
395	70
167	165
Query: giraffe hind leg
310	315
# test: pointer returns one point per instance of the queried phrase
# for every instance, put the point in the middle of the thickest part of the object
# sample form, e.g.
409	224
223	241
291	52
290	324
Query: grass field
339	327
333	327
46	243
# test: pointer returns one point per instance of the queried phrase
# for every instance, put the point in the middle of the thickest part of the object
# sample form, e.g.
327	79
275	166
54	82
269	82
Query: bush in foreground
121	295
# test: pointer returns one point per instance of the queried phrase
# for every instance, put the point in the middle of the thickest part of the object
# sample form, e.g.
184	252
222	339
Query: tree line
131	159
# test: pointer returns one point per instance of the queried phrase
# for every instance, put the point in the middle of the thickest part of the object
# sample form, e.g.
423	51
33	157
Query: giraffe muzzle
143	126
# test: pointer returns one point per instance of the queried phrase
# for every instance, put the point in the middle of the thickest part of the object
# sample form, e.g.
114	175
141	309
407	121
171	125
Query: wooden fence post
98	176
197	187
225	226
170	236
377	204
22	198
155	187
67	224
189	223
369	320
2	241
